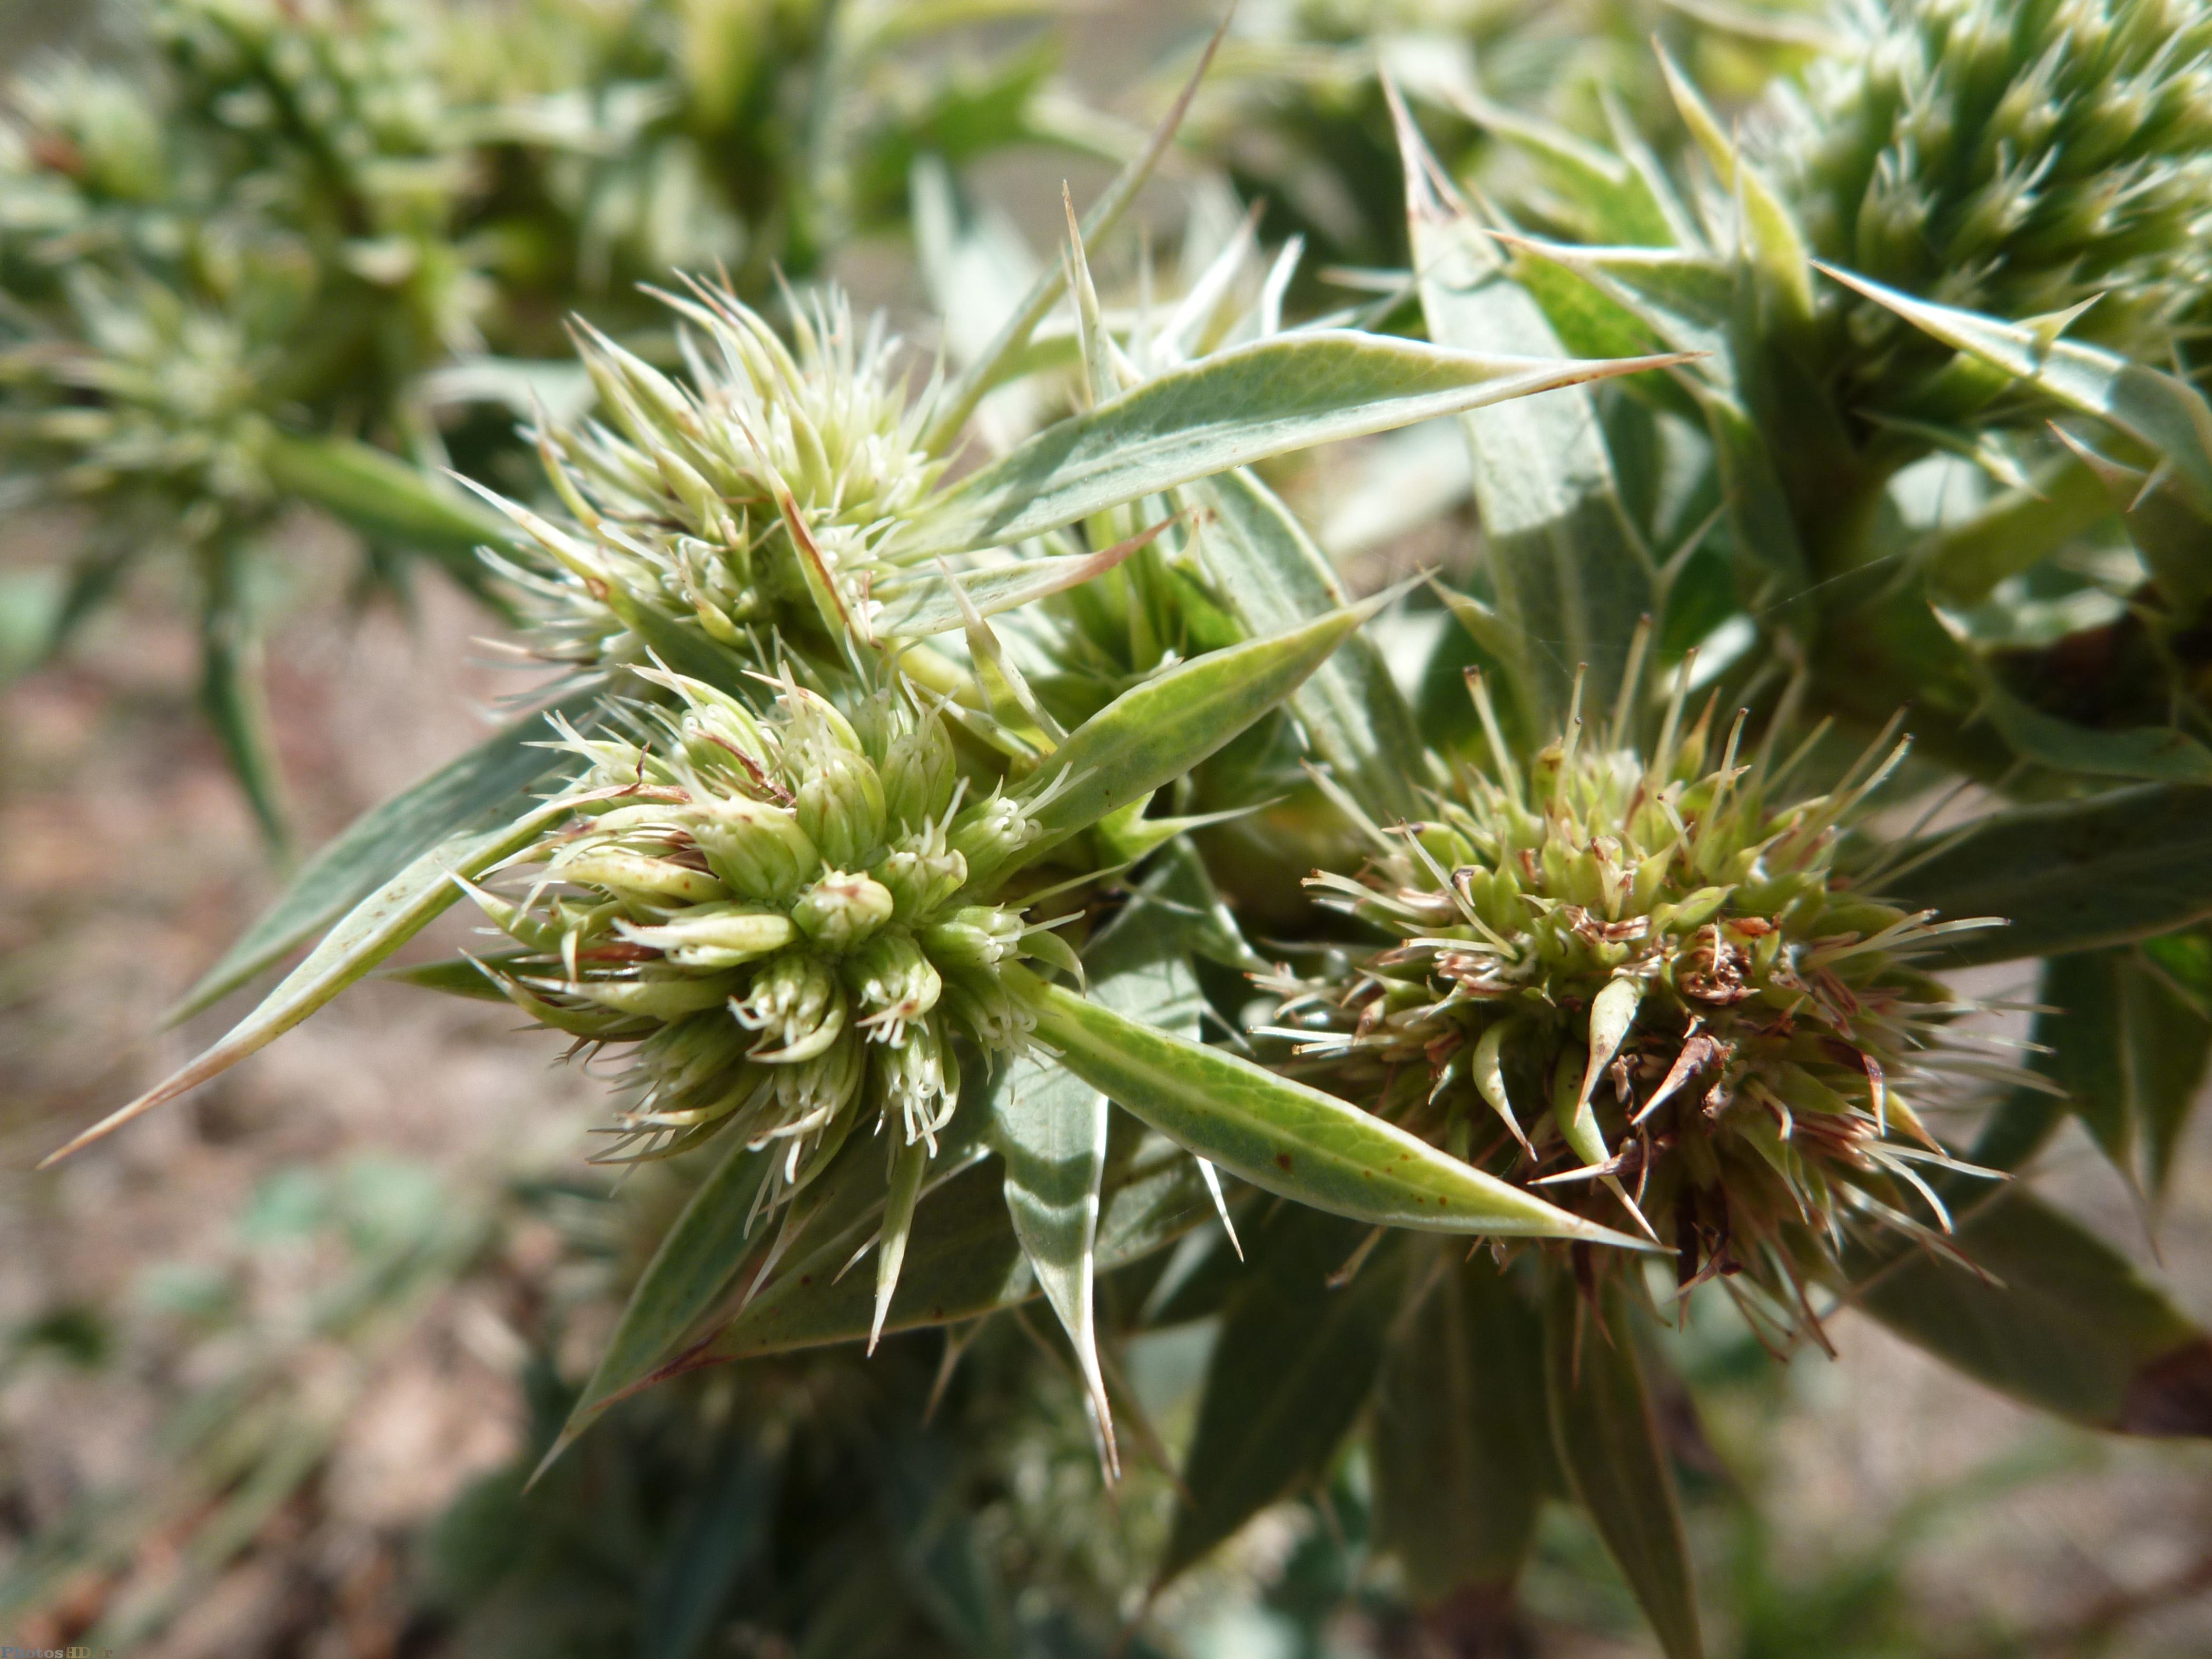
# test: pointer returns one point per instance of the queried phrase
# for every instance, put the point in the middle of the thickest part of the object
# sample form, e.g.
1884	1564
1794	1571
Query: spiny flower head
151	409
1640	979
764	493
2016	157
771	914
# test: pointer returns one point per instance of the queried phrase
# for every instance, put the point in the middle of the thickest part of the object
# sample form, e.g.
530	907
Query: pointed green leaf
1609	1449
910	1166
2067	875
1051	1132
1295	1362
1462	1443
1291	392
492	780
2147	753
1684	299
916	608
2011	532
232	699
387	499
697	1260
1617	202
1161	728
1776	249
2131	1052
962	1258
367	933
960	398
2169	415
2055	1317
1281	1135
1272	577
1572	577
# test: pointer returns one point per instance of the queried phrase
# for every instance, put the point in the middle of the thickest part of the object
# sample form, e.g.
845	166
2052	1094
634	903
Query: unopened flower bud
636	877
656	995
716	935
797	1005
991	831
841	804
840	910
974	936
977	1001
805	1098
921	873
758	849
919	773
893	982
920	1083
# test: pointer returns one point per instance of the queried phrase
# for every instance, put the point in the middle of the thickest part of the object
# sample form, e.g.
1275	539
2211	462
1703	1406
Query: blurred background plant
1847	505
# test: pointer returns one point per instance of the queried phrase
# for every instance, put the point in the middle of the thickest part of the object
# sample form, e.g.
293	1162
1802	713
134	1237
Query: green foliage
895	799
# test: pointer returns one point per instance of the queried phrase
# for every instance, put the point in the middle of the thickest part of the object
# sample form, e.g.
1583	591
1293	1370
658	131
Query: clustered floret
772	911
1644	986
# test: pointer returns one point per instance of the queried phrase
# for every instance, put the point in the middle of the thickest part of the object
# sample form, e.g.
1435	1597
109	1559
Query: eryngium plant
2022	159
1521	1382
1636	979
257	258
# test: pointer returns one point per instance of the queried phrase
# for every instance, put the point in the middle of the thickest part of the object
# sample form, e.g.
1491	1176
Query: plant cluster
894	796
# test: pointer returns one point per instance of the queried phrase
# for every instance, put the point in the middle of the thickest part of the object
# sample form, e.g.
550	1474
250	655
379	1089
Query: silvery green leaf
1295	1361
922	604
232	696
962	1258
2066	875
2169	415
1240	405
2052	1315
991	364
1572	577
1272	577
1774	245
1163	726
2012	530
2144	754
387	499
1610	1451
1281	1135
2131	1050
1051	1129
492	779
1462	1437
364	937
696	1261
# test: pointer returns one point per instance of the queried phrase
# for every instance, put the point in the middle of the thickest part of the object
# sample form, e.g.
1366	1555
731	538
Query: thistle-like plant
1637	979
1677	950
256	263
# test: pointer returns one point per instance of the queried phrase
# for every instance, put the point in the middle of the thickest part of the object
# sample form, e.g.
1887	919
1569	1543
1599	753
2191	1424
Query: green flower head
770	914
1639	981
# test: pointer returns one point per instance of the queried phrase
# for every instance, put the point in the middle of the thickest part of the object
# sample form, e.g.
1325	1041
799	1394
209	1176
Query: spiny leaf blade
492	779
1291	392
1609	1447
1279	1134
2067	875
2055	1318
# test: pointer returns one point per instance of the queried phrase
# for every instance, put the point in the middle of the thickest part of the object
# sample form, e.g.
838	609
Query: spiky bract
1641	980
772	914
2013	158
761	495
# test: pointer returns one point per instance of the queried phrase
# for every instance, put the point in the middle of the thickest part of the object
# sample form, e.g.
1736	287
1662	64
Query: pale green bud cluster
2015	157
748	497
1638	980
774	910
